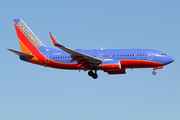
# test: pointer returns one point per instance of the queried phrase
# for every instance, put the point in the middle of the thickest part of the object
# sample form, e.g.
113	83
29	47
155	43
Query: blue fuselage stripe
117	54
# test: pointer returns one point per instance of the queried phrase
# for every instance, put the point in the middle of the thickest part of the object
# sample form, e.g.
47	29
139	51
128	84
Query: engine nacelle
117	72
111	65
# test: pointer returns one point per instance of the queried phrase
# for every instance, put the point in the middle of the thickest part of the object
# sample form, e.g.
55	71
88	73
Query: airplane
115	61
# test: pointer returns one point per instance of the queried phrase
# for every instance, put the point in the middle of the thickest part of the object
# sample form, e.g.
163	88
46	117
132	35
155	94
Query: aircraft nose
170	59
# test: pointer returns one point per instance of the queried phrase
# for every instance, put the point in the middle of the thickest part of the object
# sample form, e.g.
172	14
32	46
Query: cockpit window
161	54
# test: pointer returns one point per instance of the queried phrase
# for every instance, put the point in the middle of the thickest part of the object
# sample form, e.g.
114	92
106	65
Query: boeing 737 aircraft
111	61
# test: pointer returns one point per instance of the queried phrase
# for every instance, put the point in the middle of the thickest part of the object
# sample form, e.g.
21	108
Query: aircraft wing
21	53
75	54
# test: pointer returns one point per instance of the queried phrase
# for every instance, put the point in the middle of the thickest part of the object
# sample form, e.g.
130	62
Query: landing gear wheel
95	76
154	73
90	73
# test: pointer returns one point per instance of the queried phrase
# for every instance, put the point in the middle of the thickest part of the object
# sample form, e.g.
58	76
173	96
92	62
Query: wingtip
55	42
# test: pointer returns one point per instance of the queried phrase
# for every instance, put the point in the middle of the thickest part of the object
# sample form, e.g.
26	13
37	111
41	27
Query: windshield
161	54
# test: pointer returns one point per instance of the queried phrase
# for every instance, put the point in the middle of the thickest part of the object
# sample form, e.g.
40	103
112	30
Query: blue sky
30	91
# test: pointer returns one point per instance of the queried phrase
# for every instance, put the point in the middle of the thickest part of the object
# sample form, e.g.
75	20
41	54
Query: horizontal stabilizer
21	53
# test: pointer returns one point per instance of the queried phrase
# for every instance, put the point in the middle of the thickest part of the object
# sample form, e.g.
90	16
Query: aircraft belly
139	64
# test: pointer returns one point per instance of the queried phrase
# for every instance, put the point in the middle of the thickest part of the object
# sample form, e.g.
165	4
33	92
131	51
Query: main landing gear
92	74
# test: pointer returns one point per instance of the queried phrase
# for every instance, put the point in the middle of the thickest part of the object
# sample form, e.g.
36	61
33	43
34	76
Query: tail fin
29	43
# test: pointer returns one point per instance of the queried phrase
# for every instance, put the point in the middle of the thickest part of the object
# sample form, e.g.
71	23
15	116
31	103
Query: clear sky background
32	92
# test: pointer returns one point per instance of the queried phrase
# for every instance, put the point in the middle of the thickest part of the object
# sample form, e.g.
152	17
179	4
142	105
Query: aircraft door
150	55
47	58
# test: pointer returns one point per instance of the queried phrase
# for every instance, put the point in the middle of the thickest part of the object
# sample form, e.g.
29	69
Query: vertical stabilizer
28	41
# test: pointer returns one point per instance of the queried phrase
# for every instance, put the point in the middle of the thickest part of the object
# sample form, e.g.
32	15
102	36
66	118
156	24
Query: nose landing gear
154	72
92	74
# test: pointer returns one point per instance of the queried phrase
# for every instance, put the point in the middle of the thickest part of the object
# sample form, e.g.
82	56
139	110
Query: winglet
55	42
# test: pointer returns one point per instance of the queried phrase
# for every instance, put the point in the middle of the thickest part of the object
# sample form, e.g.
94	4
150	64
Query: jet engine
110	65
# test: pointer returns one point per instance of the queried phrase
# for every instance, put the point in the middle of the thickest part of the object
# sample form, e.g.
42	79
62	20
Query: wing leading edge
75	54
